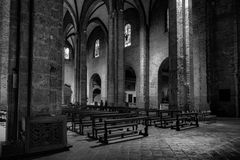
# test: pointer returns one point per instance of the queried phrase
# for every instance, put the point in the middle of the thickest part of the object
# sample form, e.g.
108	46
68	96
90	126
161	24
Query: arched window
66	53
97	48
128	31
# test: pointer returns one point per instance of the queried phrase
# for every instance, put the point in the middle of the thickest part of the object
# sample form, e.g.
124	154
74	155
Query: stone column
120	56
188	52
83	68
116	77
143	100
211	53
35	81
4	58
111	55
238	74
4	50
76	68
178	82
47	50
199	62
237	58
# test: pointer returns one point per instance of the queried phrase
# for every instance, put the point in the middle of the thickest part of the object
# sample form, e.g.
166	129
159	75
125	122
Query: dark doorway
130	86
163	84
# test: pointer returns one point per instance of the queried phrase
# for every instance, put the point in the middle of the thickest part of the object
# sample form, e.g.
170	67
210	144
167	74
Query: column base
45	134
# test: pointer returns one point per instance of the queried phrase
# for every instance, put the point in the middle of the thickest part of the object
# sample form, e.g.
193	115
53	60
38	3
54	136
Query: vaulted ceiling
97	13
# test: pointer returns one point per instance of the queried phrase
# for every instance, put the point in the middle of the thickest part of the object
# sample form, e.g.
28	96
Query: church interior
119	79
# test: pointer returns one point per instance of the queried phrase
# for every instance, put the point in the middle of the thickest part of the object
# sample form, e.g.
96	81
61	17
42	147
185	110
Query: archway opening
130	86
69	50
163	84
95	87
69	74
96	95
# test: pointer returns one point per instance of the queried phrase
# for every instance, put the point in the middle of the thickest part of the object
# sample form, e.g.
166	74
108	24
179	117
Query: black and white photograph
119	79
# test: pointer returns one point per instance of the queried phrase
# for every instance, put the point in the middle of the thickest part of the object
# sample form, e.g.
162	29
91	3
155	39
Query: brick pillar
35	59
237	59
83	68
143	99
47	48
4	57
45	54
76	68
4	50
199	66
189	84
238	31
116	78
178	81
111	55
120	56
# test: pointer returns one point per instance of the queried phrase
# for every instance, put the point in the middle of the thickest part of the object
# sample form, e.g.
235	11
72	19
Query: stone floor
216	141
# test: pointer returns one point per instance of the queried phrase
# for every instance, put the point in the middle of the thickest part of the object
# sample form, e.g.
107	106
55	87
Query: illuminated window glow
167	21
97	48
127	35
66	53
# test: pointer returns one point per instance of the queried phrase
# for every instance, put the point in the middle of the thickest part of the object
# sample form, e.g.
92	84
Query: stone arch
163	83
71	12
141	10
95	88
97	33
88	7
99	22
160	6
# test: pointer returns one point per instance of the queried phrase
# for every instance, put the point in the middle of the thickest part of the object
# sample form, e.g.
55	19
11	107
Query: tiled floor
215	141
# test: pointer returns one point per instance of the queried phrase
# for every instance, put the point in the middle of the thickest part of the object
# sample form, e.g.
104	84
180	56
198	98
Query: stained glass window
97	48
127	35
66	53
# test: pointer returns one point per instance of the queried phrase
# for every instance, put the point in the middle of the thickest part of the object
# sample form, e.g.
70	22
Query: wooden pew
76	116
166	118
185	121
153	115
111	109
111	133
208	117
82	119
98	126
79	117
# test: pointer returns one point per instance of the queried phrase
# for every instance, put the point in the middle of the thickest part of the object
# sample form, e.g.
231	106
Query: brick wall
223	59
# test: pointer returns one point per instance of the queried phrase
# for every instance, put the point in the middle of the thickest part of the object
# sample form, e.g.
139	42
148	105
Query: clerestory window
128	35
